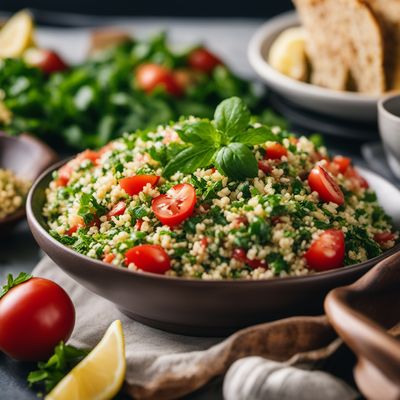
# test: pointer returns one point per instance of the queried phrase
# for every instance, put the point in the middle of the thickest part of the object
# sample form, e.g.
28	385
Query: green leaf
255	136
11	282
317	140
236	161
199	133
49	373
232	117
188	160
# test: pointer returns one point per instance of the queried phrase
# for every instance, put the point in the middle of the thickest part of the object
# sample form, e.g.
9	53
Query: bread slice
388	15
344	42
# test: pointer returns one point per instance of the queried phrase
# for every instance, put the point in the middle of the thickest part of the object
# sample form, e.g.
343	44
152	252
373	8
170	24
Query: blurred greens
93	102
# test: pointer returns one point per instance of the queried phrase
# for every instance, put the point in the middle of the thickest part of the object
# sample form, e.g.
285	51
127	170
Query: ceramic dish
27	157
345	105
197	307
362	314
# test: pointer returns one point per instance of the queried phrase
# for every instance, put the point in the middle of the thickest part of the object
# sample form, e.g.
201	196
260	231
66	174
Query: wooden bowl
27	157
366	315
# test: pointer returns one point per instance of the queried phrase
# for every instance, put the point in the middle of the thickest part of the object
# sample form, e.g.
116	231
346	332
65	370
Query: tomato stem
11	282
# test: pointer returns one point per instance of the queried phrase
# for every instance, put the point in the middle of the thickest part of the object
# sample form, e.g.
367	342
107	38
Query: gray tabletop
229	38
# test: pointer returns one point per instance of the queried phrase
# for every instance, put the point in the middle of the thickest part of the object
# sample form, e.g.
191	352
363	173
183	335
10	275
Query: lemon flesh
288	55
100	375
16	35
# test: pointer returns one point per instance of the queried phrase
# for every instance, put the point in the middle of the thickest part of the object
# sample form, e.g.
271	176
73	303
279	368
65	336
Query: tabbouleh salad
227	198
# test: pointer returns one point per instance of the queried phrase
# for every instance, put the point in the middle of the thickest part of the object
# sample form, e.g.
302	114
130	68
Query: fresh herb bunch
49	373
224	142
90	104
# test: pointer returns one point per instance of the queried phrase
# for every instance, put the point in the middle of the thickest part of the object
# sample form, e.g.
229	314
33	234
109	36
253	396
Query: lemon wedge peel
288	54
17	35
100	375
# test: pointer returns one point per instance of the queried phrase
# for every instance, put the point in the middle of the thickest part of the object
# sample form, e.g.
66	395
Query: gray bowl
345	105
190	306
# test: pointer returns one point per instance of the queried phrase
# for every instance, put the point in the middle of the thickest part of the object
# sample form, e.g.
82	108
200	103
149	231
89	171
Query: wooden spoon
366	315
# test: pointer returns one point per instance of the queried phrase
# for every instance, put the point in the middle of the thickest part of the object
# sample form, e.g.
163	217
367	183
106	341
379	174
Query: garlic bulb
255	378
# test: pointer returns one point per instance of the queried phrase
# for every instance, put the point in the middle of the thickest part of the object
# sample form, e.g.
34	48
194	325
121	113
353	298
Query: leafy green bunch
224	142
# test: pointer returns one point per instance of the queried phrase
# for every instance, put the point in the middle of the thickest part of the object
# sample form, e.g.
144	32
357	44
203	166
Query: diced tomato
46	60
91	155
151	76
149	258
241	220
359	180
204	242
118	209
264	166
275	151
138	224
176	205
109	258
327	251
276	219
342	163
203	60
72	230
325	185
64	175
135	184
240	255
383	237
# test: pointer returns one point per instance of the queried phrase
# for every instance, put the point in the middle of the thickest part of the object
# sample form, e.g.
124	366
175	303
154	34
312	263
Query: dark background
186	8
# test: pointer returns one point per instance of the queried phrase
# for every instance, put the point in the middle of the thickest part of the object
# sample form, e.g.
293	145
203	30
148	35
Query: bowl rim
275	78
382	109
33	222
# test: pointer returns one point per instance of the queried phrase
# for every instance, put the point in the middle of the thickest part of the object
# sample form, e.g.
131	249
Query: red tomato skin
173	218
117	210
321	182
275	151
264	166
203	60
135	184
353	175
342	163
49	61
149	257
150	76
108	258
327	251
383	237
34	317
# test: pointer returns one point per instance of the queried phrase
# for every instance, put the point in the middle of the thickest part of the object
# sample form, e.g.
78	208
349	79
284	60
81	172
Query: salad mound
217	199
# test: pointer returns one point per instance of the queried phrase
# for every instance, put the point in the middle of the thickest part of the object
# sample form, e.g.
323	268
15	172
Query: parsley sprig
49	373
224	142
12	282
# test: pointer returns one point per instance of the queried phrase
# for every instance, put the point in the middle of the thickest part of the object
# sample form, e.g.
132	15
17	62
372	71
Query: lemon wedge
287	54
16	35
98	376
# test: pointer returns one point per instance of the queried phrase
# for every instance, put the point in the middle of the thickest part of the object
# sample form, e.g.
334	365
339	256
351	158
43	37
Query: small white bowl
346	105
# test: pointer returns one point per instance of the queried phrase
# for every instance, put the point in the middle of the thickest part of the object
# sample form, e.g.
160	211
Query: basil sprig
223	142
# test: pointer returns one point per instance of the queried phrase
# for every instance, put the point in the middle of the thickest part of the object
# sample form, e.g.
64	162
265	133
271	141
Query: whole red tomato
35	316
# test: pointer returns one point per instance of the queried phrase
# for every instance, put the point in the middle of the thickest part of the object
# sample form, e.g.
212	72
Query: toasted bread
344	42
388	14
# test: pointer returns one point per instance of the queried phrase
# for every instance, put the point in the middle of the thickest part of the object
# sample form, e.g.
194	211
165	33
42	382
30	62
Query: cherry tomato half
383	237
150	76
135	184
203	60
46	60
65	172
149	257
355	177
322	182
118	209
342	163
327	251
275	151
34	317
176	205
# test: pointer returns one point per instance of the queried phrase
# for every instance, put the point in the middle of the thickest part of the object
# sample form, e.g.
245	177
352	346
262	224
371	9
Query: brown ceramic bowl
27	157
190	306
362	313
